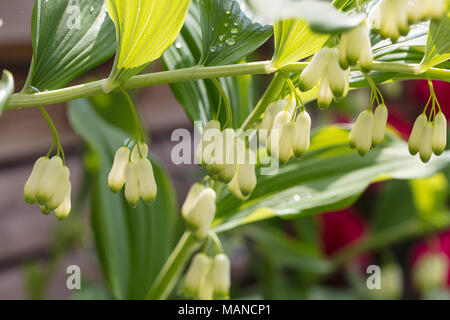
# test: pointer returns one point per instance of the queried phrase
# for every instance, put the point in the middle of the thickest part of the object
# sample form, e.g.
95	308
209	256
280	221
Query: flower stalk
21	100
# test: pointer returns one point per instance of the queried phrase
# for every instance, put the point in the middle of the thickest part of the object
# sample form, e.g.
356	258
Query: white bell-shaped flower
201	214
273	144
439	140
205	149
315	69
286	142
337	77
116	177
62	188
49	181
361	134
64	209
132	184
355	46
35	179
221	276
198	270
379	124
147	184
302	135
416	134
425	147
325	95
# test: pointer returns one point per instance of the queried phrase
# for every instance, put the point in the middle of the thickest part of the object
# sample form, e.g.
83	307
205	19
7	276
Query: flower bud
247	179
416	10
269	116
233	186
337	77
221	276
401	15
201	215
416	134
206	289
315	69
379	124
116	177
205	149
361	135
364	139
325	95
355	38
35	179
63	185
436	9
430	271
64	209
224	155
425	149
147	184
140	151
366	57
131	184
49	180
191	197
246	173
286	141
198	270
302	134
343	44
273	144
439	140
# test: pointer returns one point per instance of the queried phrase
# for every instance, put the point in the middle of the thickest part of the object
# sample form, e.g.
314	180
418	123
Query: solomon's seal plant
322	52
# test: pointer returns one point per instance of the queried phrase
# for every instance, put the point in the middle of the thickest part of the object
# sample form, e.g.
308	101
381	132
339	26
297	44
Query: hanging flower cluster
227	159
355	47
49	186
429	134
132	169
199	209
208	278
289	136
325	67
392	18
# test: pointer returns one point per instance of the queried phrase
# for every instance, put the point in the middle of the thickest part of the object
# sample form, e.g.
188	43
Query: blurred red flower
341	228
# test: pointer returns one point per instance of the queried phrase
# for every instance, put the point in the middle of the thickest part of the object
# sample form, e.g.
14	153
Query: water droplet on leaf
230	41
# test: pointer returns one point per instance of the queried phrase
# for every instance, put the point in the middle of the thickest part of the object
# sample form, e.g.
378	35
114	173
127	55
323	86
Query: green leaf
330	177
394	207
144	29
132	244
294	40
6	89
68	40
430	198
228	34
200	99
321	16
438	44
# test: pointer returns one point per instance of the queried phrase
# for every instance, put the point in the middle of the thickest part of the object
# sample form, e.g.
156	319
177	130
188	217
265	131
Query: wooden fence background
25	234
